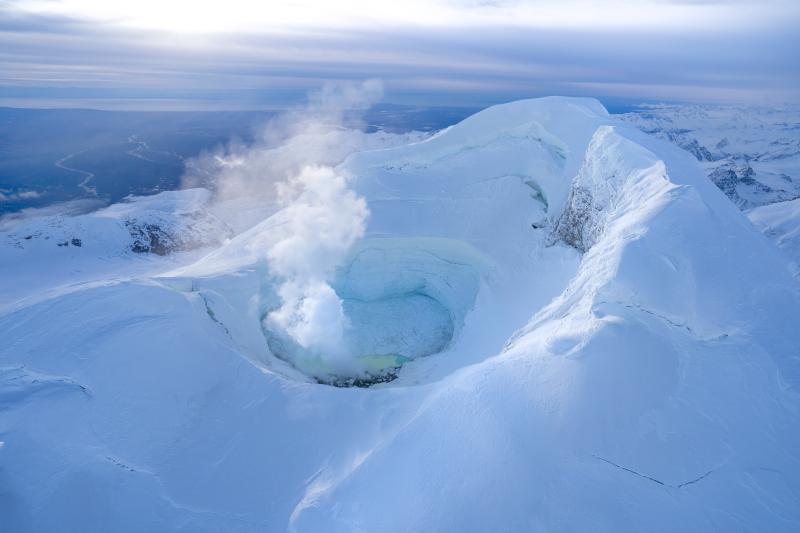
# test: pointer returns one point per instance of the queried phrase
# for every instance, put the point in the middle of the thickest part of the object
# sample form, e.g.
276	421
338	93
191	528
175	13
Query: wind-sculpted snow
751	153
615	172
641	376
781	222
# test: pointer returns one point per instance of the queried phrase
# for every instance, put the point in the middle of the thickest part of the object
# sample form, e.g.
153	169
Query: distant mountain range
751	153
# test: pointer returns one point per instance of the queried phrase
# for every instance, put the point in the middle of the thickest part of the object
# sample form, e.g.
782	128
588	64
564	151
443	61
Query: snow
751	152
640	376
781	223
52	252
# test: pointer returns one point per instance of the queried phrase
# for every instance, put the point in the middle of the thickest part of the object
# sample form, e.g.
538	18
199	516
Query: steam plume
290	169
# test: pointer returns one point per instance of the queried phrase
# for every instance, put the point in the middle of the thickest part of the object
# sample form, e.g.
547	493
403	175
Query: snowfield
781	223
544	320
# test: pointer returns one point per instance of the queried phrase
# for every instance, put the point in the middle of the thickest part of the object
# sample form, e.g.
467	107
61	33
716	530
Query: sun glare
276	15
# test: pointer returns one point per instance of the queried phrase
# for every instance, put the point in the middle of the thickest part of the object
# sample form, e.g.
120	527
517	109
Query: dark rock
700	152
151	238
730	175
579	225
362	382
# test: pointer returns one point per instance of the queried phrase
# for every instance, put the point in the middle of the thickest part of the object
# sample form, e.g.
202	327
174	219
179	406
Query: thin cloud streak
48	58
189	16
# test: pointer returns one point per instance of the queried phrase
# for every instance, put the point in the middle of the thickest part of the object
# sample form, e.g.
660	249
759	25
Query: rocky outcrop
162	237
580	223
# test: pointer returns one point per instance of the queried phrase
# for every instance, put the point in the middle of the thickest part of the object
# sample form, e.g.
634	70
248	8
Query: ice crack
650	478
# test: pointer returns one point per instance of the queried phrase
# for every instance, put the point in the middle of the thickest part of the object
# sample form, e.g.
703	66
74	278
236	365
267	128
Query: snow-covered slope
781	223
42	253
572	327
752	153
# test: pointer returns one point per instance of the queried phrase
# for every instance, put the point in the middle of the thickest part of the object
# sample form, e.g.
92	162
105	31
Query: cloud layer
458	52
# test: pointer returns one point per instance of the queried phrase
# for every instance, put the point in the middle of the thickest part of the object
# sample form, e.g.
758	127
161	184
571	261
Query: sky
238	54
